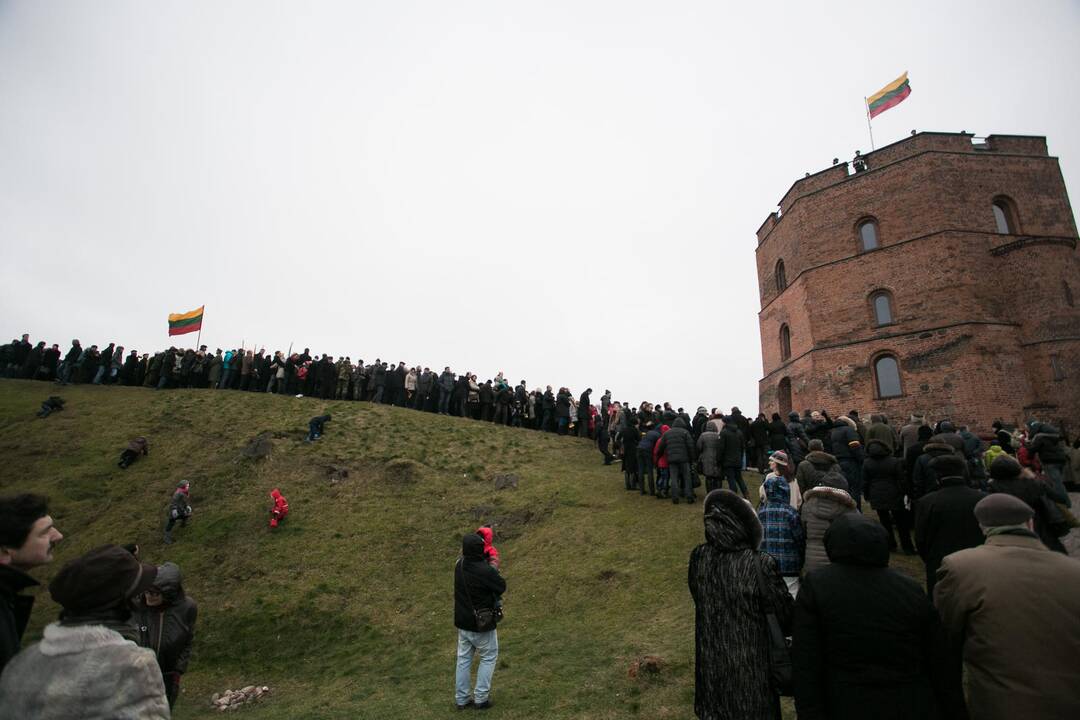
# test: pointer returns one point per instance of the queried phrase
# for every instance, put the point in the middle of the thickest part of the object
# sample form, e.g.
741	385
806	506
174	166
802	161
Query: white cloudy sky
567	191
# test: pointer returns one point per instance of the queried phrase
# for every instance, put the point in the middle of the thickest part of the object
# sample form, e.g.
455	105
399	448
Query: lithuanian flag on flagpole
180	323
889	96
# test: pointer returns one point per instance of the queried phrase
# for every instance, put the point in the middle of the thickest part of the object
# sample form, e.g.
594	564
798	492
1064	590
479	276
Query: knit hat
102	578
999	509
779	457
951	465
183	483
1005	467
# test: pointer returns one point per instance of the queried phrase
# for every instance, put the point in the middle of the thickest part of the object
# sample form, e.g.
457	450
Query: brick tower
938	274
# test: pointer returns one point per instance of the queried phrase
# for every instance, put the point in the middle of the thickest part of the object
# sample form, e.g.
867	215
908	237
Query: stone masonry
984	324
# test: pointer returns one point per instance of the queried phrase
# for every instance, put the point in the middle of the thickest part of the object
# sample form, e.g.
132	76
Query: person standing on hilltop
477	588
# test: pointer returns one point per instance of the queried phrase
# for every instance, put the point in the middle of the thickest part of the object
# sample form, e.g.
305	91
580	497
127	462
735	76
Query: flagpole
868	125
198	340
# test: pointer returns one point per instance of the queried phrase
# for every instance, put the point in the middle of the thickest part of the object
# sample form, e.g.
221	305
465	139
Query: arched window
785	342
868	235
1004	215
783	396
887	376
1068	293
781	276
881	301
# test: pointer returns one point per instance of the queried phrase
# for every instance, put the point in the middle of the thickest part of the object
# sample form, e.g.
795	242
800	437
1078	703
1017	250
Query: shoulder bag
486	618
781	674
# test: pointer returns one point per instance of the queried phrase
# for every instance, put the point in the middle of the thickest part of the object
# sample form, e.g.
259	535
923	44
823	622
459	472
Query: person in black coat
777	434
731	648
866	640
548	406
477	585
583	413
759	434
730	454
1008	476
629	437
945	519
847	449
165	617
884	483
681	453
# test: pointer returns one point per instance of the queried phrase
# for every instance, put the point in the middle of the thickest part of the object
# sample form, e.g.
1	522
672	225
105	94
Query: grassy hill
347	609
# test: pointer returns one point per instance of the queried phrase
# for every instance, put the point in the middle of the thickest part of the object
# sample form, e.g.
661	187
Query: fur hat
1005	467
949	465
726	502
103	578
779	457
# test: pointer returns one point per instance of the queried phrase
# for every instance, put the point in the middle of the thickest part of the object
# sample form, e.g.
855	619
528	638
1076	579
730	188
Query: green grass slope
347	609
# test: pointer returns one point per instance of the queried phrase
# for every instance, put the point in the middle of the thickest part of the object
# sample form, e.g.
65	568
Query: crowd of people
802	557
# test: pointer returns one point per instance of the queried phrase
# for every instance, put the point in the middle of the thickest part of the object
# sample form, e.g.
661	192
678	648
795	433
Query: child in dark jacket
50	406
138	446
315	427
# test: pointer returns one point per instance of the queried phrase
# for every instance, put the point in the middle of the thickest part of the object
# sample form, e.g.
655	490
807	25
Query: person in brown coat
1015	606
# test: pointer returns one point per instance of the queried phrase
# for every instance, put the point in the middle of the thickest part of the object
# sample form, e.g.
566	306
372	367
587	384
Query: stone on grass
506	481
646	666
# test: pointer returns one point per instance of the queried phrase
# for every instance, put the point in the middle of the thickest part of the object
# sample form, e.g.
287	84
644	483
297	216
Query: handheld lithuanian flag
889	96
180	323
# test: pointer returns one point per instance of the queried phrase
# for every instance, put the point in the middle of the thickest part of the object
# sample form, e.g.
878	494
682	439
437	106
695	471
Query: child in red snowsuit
491	554
280	509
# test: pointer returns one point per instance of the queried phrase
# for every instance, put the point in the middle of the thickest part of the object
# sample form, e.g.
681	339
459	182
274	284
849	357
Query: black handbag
486	618
781	673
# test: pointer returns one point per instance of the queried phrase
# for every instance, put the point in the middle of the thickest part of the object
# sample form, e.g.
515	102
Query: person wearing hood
866	640
477	585
697	426
1014	607
883	482
848	450
87	665
677	446
165	618
821	505
759	440
816	465
731	580
797	440
777	434
879	430
280	510
709	450
1007	476
783	536
731	455
1046	444
944	519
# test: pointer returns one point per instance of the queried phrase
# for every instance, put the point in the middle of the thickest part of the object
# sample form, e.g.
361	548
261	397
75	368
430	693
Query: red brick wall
967	303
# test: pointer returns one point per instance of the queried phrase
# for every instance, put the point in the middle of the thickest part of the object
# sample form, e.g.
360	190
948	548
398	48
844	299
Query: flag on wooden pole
889	96
181	323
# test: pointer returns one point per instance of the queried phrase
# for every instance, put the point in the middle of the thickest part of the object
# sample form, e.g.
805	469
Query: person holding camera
477	587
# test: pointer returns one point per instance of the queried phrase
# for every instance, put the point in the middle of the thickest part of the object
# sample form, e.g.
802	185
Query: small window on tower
1004	216
883	314
868	235
781	276
1057	368
887	376
785	342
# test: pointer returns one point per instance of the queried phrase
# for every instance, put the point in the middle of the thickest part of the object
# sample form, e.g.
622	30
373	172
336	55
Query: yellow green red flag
180	323
889	96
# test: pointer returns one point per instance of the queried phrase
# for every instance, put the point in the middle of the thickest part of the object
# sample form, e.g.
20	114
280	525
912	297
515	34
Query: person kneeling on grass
477	587
135	448
315	427
280	509
179	509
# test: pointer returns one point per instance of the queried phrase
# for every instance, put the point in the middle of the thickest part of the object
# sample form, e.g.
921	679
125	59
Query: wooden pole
868	125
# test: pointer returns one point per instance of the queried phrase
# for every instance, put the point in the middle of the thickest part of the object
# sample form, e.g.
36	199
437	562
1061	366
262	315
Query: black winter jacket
944	523
14	610
678	444
902	674
845	442
731	449
483	581
168	629
883	477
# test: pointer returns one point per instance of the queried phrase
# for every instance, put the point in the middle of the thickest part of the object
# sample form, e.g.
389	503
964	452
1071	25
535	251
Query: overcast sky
564	191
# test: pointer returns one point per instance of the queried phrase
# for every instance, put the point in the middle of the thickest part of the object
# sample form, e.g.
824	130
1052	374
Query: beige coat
1015	605
820	506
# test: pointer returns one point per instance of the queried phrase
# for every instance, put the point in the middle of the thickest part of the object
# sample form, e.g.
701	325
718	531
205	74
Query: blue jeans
486	645
681	481
226	378
444	400
735	481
